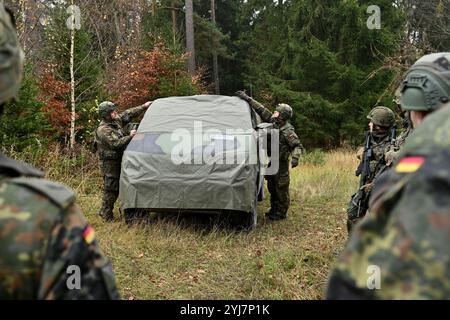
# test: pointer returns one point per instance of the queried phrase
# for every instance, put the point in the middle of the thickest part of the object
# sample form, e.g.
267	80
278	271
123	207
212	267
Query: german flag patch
89	235
409	164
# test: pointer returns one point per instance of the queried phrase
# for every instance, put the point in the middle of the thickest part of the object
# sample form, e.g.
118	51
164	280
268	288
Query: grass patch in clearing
289	259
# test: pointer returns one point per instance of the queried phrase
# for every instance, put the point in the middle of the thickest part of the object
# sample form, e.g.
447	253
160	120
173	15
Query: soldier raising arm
280	118
111	140
290	145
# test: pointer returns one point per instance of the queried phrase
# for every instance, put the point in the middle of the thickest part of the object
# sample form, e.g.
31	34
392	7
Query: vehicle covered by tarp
193	153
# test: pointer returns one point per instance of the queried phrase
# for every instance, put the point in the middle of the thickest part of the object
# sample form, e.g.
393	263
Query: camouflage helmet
382	116
285	111
11	59
427	83
105	108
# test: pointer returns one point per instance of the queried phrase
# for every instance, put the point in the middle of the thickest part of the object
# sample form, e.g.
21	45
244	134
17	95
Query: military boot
106	214
275	216
271	212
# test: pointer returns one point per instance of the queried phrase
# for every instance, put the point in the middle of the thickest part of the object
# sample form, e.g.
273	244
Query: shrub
24	123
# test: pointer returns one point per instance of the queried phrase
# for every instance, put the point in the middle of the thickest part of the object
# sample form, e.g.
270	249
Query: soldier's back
42	234
406	235
27	218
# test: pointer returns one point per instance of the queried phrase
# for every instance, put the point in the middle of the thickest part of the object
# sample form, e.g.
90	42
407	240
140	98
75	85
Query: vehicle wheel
135	215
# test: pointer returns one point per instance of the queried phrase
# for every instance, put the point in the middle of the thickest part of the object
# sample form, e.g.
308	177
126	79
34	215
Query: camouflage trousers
278	186
111	177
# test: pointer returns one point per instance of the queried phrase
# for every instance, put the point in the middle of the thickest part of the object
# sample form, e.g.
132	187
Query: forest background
325	58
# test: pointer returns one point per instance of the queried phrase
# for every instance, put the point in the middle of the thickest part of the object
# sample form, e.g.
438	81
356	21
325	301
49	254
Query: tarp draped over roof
151	179
216	112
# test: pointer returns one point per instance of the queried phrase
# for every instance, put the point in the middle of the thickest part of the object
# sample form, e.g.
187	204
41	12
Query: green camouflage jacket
377	162
399	143
290	144
401	249
47	248
111	138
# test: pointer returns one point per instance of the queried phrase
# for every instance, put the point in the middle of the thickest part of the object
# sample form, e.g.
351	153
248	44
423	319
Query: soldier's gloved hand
294	162
133	133
389	157
243	95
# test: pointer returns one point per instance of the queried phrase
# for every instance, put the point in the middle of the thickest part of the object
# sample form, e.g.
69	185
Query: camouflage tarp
220	171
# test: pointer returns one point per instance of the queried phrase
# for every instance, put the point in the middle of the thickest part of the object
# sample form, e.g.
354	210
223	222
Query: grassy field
170	259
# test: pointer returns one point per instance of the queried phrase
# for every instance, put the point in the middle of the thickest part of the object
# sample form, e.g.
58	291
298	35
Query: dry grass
168	260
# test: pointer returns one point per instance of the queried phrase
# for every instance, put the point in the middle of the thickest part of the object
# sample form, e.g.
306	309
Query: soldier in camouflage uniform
382	120
47	247
406	236
111	140
290	144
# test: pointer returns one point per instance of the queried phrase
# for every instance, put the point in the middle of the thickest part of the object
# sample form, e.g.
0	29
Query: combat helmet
427	83
11	59
382	116
105	108
285	111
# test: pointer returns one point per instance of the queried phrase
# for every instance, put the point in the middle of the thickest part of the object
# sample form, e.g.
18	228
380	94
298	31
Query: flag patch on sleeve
409	164
89	235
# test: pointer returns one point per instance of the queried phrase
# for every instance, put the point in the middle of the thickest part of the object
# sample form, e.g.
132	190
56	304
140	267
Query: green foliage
316	55
170	74
23	123
178	86
158	28
89	72
315	157
319	60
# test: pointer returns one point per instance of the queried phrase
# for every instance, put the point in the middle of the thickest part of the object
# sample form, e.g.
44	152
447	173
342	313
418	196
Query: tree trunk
72	83
215	63
174	24
23	27
190	46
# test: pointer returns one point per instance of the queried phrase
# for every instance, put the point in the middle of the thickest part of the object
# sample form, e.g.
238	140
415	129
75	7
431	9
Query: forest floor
178	259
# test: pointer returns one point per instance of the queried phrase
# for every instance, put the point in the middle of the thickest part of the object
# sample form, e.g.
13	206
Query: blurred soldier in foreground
401	250
290	144
379	139
111	141
47	248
